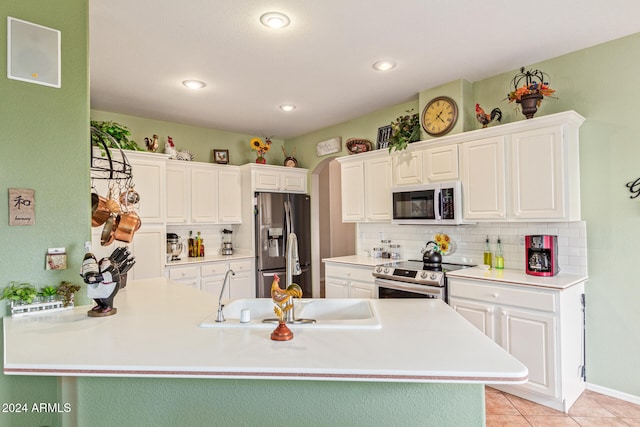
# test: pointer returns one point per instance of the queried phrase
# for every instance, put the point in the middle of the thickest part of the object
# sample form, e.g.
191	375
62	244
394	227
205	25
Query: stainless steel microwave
428	204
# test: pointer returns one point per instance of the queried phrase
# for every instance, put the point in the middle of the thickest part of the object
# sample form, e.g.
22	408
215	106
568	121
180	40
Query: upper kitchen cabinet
528	170
277	179
149	177
203	193
426	165
366	187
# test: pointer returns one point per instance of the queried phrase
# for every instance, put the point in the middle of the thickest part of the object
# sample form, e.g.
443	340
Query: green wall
44	141
199	141
599	83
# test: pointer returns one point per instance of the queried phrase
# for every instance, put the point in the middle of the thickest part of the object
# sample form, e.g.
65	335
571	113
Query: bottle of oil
499	255
487	253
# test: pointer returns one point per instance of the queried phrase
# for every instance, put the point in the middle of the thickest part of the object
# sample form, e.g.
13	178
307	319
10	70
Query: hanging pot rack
108	163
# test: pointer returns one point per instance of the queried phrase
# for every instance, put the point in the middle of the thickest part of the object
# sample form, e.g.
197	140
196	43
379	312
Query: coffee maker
227	244
542	255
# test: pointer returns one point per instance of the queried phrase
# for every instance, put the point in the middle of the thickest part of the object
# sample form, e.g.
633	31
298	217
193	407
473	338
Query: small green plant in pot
66	290
118	132
49	292
404	130
20	293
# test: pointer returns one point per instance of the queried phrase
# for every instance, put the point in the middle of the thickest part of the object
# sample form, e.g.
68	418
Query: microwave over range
428	204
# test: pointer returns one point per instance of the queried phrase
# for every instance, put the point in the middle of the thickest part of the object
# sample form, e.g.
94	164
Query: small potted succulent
19	293
49	293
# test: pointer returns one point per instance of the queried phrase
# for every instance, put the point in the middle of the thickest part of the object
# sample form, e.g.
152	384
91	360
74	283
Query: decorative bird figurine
282	297
170	148
485	118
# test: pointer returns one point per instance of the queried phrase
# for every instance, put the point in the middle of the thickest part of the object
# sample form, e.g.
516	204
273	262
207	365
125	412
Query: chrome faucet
220	305
293	269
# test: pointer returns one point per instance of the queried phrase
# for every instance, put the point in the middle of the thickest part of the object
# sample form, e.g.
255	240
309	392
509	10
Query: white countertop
185	260
155	334
517	277
358	260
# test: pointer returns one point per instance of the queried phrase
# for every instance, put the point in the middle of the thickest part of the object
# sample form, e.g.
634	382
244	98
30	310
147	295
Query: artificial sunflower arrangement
261	148
443	243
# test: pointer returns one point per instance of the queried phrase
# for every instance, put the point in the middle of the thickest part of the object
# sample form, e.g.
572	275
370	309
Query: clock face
439	116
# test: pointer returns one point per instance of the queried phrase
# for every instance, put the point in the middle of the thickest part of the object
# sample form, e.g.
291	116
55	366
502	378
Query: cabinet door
178	193
336	288
267	180
213	286
242	285
353	190
362	290
479	315
149	248
530	338
441	163
538	178
229	196
294	182
483	182
204	197
149	177
408	168
378	189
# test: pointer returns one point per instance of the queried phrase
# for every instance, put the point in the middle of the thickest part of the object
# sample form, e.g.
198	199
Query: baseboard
614	393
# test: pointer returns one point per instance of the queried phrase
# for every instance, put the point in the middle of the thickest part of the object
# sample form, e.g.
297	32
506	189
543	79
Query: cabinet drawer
350	272
183	273
213	269
504	295
240	266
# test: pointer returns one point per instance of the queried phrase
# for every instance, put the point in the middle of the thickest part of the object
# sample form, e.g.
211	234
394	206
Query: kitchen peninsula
409	364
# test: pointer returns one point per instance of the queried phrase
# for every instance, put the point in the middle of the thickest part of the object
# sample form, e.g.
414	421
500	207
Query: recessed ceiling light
194	84
287	107
384	65
275	20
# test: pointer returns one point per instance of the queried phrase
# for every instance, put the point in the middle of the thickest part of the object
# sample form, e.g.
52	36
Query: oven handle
401	286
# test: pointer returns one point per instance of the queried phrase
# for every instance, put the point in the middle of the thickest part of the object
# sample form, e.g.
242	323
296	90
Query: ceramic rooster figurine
170	148
282	297
485	118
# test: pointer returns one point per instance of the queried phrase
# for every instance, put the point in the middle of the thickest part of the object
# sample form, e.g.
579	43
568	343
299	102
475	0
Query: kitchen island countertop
155	334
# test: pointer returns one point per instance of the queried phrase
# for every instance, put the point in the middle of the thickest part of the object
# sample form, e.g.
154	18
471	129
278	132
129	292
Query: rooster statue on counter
105	279
485	118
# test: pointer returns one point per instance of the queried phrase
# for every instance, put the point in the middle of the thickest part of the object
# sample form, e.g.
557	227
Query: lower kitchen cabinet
541	327
349	281
209	277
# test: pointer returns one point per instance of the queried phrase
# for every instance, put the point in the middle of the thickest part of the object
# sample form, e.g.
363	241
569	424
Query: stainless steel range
412	279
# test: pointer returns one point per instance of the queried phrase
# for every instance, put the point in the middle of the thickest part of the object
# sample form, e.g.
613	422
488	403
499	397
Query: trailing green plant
117	131
66	290
20	292
404	130
49	291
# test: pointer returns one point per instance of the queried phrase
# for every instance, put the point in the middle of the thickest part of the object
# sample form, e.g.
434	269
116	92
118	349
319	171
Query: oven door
396	289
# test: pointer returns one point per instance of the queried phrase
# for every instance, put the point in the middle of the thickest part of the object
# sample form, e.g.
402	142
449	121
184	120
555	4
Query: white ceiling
142	50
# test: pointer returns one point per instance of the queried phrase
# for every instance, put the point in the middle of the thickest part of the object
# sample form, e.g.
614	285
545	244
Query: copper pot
129	197
108	231
99	211
126	225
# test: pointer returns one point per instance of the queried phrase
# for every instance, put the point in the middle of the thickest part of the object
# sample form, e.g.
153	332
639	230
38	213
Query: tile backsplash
469	241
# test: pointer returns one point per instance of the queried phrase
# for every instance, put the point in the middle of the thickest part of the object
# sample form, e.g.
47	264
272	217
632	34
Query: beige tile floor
591	409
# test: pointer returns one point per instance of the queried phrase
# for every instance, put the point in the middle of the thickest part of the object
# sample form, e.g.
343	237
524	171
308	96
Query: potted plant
529	95
117	131
19	293
404	130
49	292
66	290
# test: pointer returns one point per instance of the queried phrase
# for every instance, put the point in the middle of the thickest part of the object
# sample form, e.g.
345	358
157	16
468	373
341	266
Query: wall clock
439	116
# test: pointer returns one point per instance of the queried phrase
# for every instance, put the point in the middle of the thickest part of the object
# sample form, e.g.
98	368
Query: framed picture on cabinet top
221	156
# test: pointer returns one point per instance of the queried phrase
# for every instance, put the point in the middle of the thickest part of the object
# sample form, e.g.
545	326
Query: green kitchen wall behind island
600	83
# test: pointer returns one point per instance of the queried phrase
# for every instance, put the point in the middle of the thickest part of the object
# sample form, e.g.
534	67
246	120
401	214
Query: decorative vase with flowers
261	148
530	94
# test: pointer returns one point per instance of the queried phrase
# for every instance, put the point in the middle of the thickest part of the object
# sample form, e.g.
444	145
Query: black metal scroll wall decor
634	188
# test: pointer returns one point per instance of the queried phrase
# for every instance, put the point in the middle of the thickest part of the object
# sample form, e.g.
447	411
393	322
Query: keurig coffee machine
542	254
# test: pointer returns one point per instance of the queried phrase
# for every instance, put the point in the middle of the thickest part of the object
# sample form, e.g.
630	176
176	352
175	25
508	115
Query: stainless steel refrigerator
276	215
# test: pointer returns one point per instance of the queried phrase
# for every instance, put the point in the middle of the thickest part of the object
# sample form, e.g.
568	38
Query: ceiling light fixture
275	20
287	107
194	84
384	65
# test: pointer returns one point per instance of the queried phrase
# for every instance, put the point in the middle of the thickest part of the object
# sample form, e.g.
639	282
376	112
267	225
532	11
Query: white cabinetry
149	176
482	171
349	281
366	188
278	179
426	165
541	327
203	193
